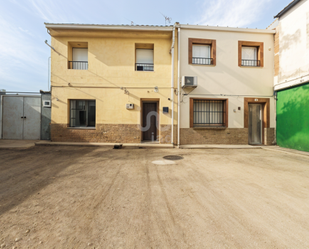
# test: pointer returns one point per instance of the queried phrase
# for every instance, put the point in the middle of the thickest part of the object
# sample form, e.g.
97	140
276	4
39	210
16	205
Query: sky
24	55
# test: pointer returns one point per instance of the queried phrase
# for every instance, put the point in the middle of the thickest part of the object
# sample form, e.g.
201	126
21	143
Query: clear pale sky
24	55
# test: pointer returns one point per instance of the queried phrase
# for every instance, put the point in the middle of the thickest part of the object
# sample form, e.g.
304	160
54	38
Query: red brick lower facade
106	133
221	136
131	133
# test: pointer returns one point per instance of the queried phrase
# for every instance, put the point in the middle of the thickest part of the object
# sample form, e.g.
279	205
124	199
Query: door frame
22	95
149	100
265	115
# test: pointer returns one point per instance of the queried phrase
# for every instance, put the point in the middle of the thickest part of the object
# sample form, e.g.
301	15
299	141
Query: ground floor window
82	113
208	113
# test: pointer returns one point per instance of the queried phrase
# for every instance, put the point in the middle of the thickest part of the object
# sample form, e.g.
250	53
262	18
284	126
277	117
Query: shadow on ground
24	173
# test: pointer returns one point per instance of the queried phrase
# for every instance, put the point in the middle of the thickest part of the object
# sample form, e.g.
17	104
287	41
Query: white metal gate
21	117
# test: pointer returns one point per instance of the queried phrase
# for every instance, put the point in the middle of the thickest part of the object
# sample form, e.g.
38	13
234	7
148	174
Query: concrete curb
288	151
219	146
142	145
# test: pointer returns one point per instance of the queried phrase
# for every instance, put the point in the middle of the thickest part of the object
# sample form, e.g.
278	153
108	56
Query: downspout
172	85
48	76
178	91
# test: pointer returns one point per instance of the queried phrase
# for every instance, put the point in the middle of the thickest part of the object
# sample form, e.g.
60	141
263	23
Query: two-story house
226	82
113	83
292	75
129	84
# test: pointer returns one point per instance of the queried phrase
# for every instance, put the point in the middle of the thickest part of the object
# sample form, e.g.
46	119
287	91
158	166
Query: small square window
201	54
202	51
250	54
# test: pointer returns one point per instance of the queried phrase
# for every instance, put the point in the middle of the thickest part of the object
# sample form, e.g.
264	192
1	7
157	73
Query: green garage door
293	118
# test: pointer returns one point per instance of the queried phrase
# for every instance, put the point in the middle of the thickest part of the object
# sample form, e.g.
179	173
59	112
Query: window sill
209	65
144	71
78	69
251	66
210	128
82	128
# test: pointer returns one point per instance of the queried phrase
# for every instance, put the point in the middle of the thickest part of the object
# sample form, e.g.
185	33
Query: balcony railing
79	65
143	67
251	63
202	61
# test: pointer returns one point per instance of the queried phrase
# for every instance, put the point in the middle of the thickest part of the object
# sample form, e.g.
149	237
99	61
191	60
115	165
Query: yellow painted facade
111	78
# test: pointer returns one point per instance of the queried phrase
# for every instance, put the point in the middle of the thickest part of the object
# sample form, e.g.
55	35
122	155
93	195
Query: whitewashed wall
293	31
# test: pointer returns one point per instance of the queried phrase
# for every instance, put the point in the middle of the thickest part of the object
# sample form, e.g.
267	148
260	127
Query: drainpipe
178	91
172	85
48	76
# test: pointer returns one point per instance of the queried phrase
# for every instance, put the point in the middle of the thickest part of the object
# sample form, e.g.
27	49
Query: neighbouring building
292	75
113	83
25	115
226	76
45	114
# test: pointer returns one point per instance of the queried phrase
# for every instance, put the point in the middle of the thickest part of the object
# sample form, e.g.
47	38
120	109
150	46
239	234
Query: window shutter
249	53
201	51
144	56
80	54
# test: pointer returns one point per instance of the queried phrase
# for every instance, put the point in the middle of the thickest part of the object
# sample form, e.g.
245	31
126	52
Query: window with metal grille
250	54
208	113
79	59
202	51
201	54
249	57
82	113
144	57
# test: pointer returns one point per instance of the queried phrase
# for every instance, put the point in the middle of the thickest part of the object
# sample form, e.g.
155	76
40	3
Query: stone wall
214	136
107	133
269	136
104	133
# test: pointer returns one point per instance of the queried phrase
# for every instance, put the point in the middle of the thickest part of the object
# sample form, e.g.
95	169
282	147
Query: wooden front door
150	121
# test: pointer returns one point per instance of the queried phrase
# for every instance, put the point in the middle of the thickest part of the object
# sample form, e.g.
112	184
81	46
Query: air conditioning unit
189	81
130	106
46	103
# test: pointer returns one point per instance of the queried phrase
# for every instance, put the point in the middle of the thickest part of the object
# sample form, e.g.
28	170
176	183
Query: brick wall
104	133
107	133
166	131
214	136
269	136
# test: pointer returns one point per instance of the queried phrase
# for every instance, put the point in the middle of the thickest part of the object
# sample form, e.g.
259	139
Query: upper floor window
202	51
250	54
201	54
144	57
78	55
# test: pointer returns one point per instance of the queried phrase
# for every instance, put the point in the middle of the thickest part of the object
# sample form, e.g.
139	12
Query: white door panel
12	117
32	118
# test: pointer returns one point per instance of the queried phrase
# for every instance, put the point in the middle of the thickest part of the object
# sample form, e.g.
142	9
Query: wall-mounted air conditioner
130	106
189	81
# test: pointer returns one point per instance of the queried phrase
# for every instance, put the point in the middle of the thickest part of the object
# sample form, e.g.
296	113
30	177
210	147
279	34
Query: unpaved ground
81	197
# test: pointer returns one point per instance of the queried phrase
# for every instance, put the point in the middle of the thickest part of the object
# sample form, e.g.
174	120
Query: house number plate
256	100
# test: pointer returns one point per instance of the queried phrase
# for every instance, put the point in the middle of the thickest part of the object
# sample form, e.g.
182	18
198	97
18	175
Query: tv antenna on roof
167	19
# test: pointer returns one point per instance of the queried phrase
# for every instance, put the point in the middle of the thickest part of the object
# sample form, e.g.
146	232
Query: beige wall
111	63
111	66
227	79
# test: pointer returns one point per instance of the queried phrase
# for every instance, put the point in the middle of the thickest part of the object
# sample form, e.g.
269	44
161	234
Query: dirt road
81	197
